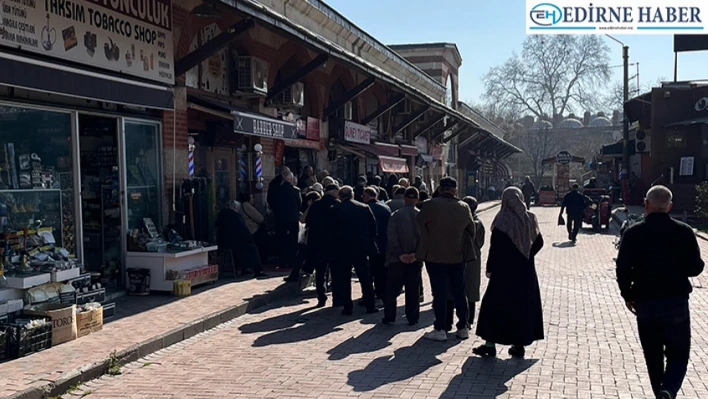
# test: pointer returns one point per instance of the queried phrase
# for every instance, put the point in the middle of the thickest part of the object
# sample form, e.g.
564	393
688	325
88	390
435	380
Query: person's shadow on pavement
405	363
377	337
485	378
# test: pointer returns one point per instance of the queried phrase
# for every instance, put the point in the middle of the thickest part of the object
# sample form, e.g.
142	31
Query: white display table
164	266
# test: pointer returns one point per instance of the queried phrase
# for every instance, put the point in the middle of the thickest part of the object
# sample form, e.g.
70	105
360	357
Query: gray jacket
396	203
403	234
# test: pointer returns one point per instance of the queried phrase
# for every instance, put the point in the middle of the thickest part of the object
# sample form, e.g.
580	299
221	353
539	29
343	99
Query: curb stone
43	388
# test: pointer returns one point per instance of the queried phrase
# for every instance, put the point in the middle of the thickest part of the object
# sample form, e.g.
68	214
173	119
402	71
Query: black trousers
286	234
444	277
665	331
379	273
321	270
574	223
528	202
299	261
342	281
451	315
402	275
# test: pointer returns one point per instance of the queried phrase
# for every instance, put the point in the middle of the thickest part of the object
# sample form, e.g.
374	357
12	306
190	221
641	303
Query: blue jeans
444	277
665	331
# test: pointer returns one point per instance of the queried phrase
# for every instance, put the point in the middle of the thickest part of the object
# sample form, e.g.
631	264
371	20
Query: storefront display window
36	173
142	158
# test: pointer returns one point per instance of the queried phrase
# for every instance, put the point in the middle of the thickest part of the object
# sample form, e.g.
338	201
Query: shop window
36	173
142	157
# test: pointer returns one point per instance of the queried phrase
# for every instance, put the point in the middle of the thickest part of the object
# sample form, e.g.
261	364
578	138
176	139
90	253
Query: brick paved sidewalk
141	326
295	351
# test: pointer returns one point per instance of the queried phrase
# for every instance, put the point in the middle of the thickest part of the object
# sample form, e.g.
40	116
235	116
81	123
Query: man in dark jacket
403	268
383	195
321	225
233	235
377	263
397	202
287	219
446	224
359	189
574	205
656	258
529	191
355	242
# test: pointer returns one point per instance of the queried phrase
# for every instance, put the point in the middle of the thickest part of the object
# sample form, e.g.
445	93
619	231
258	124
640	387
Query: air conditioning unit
642	141
348	111
252	75
403	108
294	96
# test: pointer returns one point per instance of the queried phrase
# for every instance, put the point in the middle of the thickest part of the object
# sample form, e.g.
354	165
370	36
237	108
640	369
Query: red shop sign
313	128
278	152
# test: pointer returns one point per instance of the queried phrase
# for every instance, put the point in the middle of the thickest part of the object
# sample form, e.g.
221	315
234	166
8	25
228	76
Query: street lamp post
625	129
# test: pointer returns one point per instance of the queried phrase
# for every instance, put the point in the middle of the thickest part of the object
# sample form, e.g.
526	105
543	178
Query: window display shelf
30	190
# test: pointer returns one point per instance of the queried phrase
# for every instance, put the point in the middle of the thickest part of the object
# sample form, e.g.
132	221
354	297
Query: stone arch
340	81
287	53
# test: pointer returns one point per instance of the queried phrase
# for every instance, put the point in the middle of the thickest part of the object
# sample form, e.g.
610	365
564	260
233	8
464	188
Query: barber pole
191	163
259	169
244	170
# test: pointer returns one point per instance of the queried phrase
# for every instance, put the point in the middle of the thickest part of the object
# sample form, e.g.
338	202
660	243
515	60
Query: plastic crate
20	341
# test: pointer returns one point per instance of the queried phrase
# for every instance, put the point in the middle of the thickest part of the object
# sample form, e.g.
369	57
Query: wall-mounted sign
128	36
686	168
313	128
301	127
564	158
393	165
356	133
263	126
701	104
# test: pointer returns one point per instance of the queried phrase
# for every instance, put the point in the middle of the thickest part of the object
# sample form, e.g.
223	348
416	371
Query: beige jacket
253	218
446	231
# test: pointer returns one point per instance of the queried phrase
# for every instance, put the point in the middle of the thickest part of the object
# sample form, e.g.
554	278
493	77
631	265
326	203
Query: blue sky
486	33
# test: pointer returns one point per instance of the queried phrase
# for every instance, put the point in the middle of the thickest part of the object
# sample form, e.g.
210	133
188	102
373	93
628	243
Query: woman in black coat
511	312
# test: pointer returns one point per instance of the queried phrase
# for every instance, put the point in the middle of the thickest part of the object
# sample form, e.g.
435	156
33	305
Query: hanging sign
258	125
128	36
564	158
686	168
356	133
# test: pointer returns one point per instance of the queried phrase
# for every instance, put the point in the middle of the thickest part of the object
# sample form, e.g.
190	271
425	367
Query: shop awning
617	149
56	78
409	150
501	169
690	122
246	122
306	144
378	149
393	164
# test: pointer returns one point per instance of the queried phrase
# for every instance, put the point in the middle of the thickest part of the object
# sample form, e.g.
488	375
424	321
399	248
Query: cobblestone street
291	350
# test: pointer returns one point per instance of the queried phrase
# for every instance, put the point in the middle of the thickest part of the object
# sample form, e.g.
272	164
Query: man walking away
403	268
383	195
359	189
655	260
397	202
574	205
529	191
287	219
382	213
355	242
443	223
321	225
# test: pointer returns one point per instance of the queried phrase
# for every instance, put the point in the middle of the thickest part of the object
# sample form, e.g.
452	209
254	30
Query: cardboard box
64	275
89	322
28	281
63	320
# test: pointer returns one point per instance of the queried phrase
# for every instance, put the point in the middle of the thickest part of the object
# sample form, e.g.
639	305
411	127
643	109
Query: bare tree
615	94
552	75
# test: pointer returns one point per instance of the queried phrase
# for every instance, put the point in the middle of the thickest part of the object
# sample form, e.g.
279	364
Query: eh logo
702	104
546	14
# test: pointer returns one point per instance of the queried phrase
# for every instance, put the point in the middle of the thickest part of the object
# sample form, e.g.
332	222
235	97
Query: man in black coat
355	241
287	219
321	225
383	195
656	258
377	263
574	205
529	191
359	189
233	235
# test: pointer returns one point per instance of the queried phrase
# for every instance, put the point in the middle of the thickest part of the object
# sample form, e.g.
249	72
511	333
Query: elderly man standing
354	242
656	258
377	263
403	268
321	225
529	191
446	224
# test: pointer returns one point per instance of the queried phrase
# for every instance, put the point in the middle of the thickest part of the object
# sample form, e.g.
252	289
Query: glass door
224	176
141	157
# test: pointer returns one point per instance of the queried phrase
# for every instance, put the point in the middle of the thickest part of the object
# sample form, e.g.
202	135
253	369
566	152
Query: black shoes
372	310
665	395
485	351
517	351
386	321
260	275
291	279
321	303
